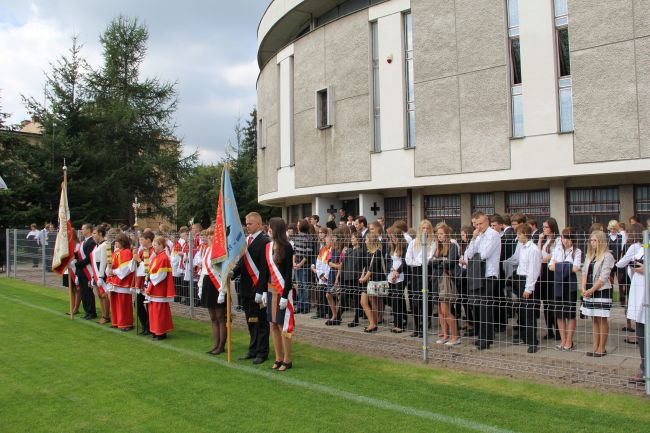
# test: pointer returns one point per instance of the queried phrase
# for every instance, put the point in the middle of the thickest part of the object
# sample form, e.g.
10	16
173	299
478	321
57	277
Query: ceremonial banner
229	241
64	246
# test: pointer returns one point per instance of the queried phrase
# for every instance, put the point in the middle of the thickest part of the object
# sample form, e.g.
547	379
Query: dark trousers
398	304
322	307
258	328
351	298
143	314
415	294
547	294
487	302
640	327
87	295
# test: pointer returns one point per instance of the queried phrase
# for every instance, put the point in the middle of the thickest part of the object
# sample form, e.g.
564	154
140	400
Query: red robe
121	282
160	293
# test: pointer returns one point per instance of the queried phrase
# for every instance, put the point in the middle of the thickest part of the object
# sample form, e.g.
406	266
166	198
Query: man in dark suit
254	273
84	272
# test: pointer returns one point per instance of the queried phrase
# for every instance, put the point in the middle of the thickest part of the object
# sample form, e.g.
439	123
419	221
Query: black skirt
210	294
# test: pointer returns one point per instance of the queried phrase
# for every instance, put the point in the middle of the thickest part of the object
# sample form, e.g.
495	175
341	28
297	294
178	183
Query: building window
323	111
642	202
306	210
443	208
565	92
261	136
483	203
535	204
592	205
410	81
394	209
516	96
375	87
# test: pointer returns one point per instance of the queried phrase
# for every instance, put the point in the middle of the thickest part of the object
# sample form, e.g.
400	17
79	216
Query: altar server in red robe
120	279
160	291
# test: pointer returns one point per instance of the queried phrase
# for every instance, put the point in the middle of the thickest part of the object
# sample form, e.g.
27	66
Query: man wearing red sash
84	272
120	279
160	291
253	270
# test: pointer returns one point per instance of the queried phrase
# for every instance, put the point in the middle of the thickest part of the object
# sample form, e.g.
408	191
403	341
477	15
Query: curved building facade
420	108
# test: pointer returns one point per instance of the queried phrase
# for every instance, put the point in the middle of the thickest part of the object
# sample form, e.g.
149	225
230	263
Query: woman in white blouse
418	255
565	264
633	262
547	242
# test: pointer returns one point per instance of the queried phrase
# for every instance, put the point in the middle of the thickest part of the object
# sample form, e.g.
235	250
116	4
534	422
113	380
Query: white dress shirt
488	245
414	255
530	264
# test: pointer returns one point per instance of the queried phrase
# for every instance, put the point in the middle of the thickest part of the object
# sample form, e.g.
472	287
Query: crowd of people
500	271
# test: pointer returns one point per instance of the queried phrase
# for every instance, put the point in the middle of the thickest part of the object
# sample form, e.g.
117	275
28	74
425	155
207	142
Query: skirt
160	318
210	295
596	307
565	305
285	318
447	289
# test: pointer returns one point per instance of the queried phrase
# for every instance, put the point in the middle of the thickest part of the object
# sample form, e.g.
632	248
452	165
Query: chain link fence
430	313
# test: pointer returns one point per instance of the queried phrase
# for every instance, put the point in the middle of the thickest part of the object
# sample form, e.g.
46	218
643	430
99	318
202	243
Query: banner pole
228	324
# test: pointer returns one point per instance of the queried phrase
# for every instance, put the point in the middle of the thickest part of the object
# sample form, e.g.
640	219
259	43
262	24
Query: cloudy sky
208	47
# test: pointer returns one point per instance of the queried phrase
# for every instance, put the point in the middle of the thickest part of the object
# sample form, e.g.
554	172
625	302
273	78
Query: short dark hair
315	217
526	229
496	218
101	229
532	221
123	240
518	218
477	215
149	235
362	220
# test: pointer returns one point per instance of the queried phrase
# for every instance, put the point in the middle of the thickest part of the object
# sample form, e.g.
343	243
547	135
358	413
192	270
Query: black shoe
246	357
144	332
533	349
549	336
471	333
161	337
316	317
126	329
259	360
86	317
417	335
353	324
484	346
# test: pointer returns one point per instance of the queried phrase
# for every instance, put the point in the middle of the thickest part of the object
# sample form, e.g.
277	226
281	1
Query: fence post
43	264
190	239
425	298
646	327
7	250
15	251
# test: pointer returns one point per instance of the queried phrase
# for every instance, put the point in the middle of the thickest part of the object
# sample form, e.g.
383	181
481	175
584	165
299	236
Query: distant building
434	109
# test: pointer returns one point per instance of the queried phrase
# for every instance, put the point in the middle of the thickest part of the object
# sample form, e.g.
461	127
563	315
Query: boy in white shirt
524	282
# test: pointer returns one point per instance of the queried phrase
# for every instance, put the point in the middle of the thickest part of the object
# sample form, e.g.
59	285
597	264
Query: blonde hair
601	248
160	240
613	224
372	241
417	246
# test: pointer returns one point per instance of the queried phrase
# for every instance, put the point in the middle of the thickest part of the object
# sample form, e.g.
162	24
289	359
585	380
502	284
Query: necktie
250	239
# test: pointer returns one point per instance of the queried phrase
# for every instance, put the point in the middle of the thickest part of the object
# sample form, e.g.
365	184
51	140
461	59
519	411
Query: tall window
323	118
642	202
394	209
444	208
590	205
515	70
565	93
261	136
410	80
483	202
536	204
375	87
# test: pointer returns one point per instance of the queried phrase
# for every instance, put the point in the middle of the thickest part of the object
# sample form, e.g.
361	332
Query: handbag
377	288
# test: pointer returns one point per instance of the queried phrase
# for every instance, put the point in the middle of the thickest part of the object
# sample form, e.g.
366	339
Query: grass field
76	376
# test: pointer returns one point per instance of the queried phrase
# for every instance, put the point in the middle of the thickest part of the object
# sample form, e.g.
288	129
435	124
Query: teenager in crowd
597	290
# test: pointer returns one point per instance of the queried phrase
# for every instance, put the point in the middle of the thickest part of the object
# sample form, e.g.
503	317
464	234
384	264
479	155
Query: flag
229	241
64	246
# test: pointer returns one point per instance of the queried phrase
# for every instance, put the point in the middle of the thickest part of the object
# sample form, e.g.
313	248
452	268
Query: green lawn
75	376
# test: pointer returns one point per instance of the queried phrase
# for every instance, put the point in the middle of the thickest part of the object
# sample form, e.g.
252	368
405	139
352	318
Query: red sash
276	276
87	269
251	268
206	264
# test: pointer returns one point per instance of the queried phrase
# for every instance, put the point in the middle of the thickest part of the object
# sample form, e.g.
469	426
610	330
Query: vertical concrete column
499	202
465	209
371	206
557	193
418	211
626	197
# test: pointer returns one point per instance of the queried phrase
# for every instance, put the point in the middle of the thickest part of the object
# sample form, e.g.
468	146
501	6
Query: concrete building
436	108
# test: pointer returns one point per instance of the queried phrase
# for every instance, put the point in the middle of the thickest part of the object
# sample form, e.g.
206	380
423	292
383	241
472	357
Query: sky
207	47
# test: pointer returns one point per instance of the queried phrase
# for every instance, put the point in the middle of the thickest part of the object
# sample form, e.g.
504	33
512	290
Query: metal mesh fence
376	297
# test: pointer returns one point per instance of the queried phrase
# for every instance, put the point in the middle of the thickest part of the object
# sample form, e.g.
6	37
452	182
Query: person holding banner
84	272
279	298
160	291
120	278
253	270
213	298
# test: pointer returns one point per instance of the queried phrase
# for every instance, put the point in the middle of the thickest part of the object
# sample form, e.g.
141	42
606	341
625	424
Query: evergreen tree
198	194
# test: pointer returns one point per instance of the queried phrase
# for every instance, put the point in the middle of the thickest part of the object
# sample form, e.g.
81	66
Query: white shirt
572	255
488	245
414	256
253	236
396	263
530	264
545	247
36	234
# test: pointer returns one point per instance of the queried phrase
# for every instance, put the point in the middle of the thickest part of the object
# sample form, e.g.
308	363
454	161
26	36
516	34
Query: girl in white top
418	255
634	261
566	264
